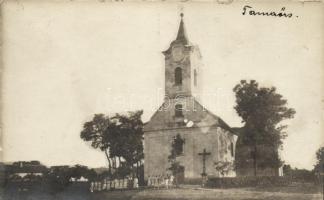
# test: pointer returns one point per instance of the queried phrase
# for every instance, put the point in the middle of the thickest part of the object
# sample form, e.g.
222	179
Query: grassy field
297	192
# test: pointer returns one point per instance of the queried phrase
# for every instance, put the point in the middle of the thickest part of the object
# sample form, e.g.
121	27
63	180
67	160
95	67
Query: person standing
136	182
167	181
172	180
149	181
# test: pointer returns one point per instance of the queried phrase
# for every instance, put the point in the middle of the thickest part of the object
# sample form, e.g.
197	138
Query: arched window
178	76
178	110
195	77
178	145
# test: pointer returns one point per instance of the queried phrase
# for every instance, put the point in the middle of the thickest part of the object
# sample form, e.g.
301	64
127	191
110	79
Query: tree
57	178
119	137
129	141
77	171
287	170
319	167
96	132
262	110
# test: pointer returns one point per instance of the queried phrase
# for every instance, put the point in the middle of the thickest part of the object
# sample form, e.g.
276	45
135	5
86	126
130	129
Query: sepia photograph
162	100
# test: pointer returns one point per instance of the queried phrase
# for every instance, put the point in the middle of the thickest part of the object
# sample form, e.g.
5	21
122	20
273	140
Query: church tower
182	66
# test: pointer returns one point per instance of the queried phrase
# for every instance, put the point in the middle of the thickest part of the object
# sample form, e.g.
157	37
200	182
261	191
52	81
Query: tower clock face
177	53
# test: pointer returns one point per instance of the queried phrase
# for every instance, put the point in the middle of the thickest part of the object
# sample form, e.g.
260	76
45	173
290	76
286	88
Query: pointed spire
182	36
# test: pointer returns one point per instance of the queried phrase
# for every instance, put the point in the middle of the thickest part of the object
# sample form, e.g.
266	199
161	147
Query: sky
64	61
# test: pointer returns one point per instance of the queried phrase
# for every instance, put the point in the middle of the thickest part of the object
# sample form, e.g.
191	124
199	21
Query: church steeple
182	66
182	35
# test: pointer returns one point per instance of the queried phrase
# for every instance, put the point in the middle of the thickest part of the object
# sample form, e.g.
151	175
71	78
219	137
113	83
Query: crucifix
204	154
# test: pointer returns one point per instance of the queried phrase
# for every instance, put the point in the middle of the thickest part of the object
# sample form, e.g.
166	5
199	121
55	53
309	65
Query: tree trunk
137	169
109	162
114	162
109	165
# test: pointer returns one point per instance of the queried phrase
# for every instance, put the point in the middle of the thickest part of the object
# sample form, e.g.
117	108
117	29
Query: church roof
219	121
195	117
238	130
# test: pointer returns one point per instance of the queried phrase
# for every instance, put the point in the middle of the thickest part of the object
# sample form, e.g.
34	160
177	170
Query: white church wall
157	148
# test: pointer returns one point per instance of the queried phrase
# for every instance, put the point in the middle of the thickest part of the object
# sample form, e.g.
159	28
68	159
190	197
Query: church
207	140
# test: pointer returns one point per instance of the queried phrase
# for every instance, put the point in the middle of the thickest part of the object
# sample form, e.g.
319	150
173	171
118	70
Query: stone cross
204	154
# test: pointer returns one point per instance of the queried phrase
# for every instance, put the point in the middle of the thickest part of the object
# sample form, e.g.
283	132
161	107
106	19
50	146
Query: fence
118	184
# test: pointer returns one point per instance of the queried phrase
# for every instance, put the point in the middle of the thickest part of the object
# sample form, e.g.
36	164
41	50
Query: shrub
193	181
248	181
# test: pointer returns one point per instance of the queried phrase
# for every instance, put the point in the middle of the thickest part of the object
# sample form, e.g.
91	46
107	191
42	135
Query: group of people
107	184
161	181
